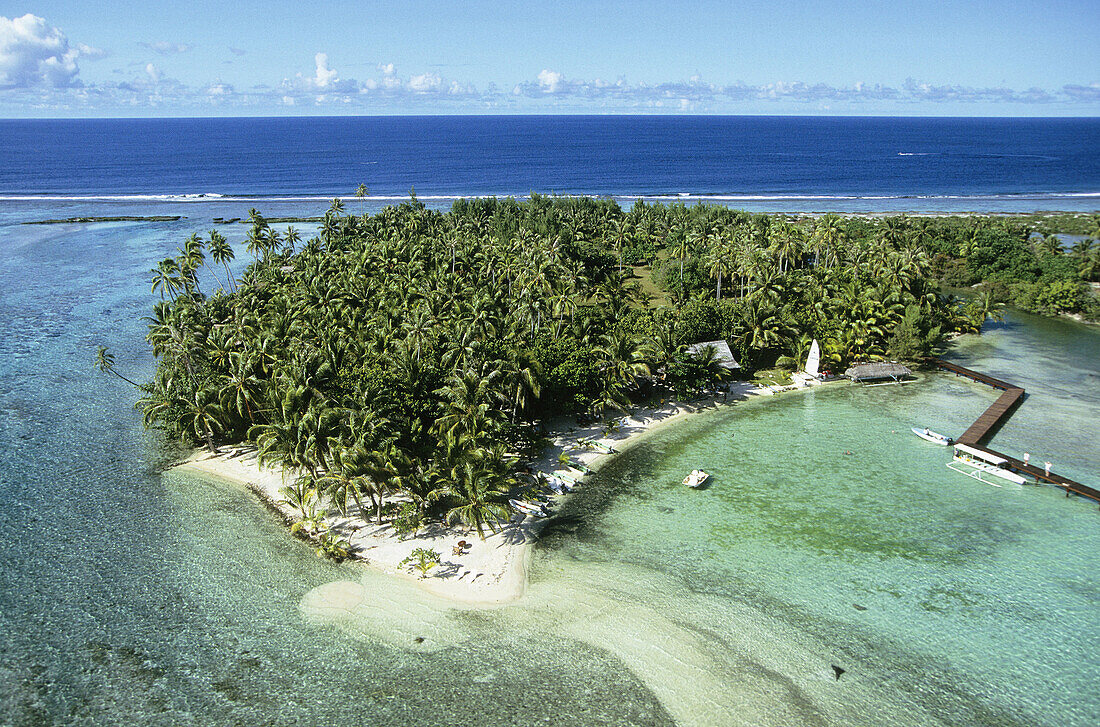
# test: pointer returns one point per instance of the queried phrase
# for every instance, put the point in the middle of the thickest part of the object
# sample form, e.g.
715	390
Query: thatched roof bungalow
722	353
878	372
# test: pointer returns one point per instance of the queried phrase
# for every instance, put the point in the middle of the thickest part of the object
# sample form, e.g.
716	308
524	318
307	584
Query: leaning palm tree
105	361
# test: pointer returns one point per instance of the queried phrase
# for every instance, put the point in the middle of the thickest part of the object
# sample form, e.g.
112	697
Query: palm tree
257	242
479	496
682	245
623	360
222	252
1052	244
981	308
201	415
241	390
291	238
620	232
346	480
105	361
166	277
361	192
829	238
719	264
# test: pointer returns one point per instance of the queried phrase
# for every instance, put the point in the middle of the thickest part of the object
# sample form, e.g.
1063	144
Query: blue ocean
789	163
131	594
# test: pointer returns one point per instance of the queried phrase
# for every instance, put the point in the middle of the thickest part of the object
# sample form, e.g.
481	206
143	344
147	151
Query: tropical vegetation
413	355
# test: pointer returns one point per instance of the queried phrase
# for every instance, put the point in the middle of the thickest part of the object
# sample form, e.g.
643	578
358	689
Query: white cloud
551	81
33	53
38	71
89	53
165	48
696	94
425	82
324	76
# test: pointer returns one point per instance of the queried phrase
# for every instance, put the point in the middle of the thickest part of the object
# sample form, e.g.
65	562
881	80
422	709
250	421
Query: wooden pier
986	425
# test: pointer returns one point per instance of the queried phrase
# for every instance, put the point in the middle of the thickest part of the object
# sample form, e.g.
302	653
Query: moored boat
696	478
982	463
934	437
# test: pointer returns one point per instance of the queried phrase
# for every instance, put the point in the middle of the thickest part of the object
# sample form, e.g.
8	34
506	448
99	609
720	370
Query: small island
111	218
408	387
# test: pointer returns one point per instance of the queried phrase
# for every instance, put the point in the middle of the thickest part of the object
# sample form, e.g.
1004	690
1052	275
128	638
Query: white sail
814	359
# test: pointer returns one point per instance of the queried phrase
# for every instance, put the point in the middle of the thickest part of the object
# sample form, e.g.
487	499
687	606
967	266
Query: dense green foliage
415	352
1010	260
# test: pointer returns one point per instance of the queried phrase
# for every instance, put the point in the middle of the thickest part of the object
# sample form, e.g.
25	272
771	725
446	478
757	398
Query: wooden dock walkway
986	425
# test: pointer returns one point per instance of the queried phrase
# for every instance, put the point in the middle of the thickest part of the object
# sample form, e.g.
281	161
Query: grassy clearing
655	297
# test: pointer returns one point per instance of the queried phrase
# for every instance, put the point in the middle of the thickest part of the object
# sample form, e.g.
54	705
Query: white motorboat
934	437
696	478
982	465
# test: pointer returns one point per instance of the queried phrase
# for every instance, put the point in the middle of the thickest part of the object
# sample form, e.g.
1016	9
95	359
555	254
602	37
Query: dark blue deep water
731	159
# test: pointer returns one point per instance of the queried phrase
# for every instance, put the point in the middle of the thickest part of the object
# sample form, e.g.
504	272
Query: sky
103	58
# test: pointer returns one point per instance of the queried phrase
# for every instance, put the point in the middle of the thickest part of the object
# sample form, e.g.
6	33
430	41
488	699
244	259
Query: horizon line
546	115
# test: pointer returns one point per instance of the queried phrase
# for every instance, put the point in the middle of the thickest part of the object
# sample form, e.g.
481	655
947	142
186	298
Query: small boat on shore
982	463
599	446
934	437
529	508
696	479
558	484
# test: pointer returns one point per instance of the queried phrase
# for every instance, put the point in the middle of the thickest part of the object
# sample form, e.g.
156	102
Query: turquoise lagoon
131	595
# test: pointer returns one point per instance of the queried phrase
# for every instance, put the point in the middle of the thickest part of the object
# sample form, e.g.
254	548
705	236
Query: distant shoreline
1059	216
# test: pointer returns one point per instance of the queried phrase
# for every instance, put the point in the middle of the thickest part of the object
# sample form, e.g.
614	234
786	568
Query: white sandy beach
491	571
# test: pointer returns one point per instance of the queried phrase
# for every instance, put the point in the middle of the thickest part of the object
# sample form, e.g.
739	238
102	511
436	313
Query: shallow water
129	596
975	602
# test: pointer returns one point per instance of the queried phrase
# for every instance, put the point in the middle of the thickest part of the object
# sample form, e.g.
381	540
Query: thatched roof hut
722	353
878	371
